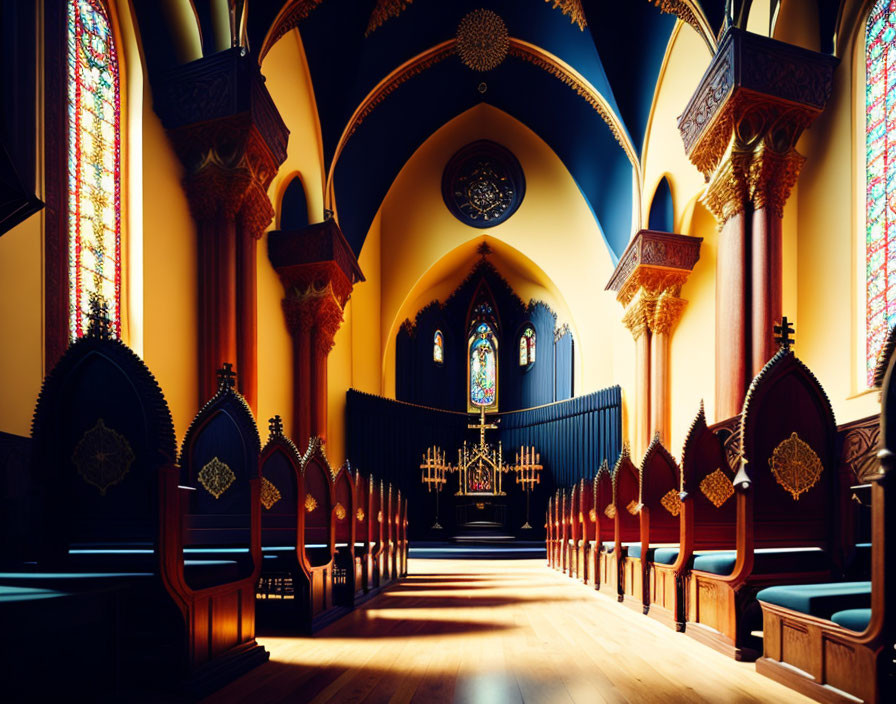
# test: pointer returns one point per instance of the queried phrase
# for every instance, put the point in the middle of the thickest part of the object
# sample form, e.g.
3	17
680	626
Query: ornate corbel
649	278
741	125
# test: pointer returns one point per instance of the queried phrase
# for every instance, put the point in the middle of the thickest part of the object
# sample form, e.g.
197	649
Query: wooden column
229	136
648	281
739	129
318	271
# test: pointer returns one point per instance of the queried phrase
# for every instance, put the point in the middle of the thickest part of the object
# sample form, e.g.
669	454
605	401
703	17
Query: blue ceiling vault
617	46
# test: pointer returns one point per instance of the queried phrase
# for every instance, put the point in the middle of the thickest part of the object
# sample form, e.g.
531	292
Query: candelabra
433	471
528	474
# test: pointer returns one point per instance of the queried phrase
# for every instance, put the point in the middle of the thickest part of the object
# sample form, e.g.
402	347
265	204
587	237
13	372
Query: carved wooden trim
860	444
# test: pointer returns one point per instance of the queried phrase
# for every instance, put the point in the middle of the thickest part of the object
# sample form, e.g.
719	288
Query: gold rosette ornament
795	465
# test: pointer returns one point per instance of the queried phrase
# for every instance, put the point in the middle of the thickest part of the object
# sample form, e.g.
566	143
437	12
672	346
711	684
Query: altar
481	502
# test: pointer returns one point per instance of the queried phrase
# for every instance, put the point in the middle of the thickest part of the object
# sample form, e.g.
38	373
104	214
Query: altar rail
388	437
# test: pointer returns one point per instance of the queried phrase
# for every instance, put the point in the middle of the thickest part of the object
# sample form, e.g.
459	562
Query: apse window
527	347
438	347
483	368
94	166
880	183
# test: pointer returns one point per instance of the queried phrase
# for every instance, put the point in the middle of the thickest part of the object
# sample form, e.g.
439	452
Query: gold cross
482	427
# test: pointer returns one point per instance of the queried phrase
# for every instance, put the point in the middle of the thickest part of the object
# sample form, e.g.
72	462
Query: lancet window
438	347
527	346
880	183
94	165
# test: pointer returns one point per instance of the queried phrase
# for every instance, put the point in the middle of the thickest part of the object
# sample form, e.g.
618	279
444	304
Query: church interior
411	350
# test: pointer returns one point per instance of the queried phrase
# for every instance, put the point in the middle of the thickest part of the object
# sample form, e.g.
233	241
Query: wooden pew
280	603
109	515
375	533
363	560
563	543
786	491
834	642
604	530
586	531
549	532
708	515
221	524
574	525
391	525
344	537
660	510
316	537
626	531
404	544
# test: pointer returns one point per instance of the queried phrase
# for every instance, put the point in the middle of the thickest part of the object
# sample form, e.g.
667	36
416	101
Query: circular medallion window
483	184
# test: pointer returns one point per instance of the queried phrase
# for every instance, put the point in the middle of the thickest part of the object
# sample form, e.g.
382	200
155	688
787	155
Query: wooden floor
490	631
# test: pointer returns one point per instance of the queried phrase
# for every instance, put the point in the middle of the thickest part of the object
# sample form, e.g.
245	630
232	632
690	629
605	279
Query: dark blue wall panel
388	438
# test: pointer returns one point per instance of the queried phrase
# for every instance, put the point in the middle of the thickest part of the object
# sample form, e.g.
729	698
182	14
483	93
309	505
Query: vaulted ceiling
388	73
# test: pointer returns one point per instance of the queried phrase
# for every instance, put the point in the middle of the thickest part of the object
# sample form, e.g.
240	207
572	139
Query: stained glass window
438	347
94	166
527	347
483	366
880	184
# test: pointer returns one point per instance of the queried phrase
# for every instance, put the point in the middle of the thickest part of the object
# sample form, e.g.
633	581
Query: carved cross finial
226	376
99	324
483	250
783	333
275	426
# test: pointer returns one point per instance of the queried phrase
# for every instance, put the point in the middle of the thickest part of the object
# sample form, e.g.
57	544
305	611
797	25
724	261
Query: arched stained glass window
483	367
527	347
438	347
94	166
880	184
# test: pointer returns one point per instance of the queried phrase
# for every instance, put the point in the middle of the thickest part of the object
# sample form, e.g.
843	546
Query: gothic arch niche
293	213
662	210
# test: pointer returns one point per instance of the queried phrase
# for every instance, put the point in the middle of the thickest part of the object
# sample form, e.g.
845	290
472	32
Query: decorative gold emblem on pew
340	512
671	501
717	487
310	503
610	511
795	465
216	477
592	514
103	457
633	507
359	514
270	494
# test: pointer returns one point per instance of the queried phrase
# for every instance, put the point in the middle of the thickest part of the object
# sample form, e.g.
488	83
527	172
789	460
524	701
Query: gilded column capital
667	311
649	278
639	312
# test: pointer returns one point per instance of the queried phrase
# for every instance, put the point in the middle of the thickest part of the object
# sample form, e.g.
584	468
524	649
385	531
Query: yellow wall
289	83
169	276
21	313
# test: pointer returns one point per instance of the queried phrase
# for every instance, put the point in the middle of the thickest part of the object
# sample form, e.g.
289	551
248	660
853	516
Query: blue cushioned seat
821	600
635	551
16	594
853	619
765	560
721	562
665	556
